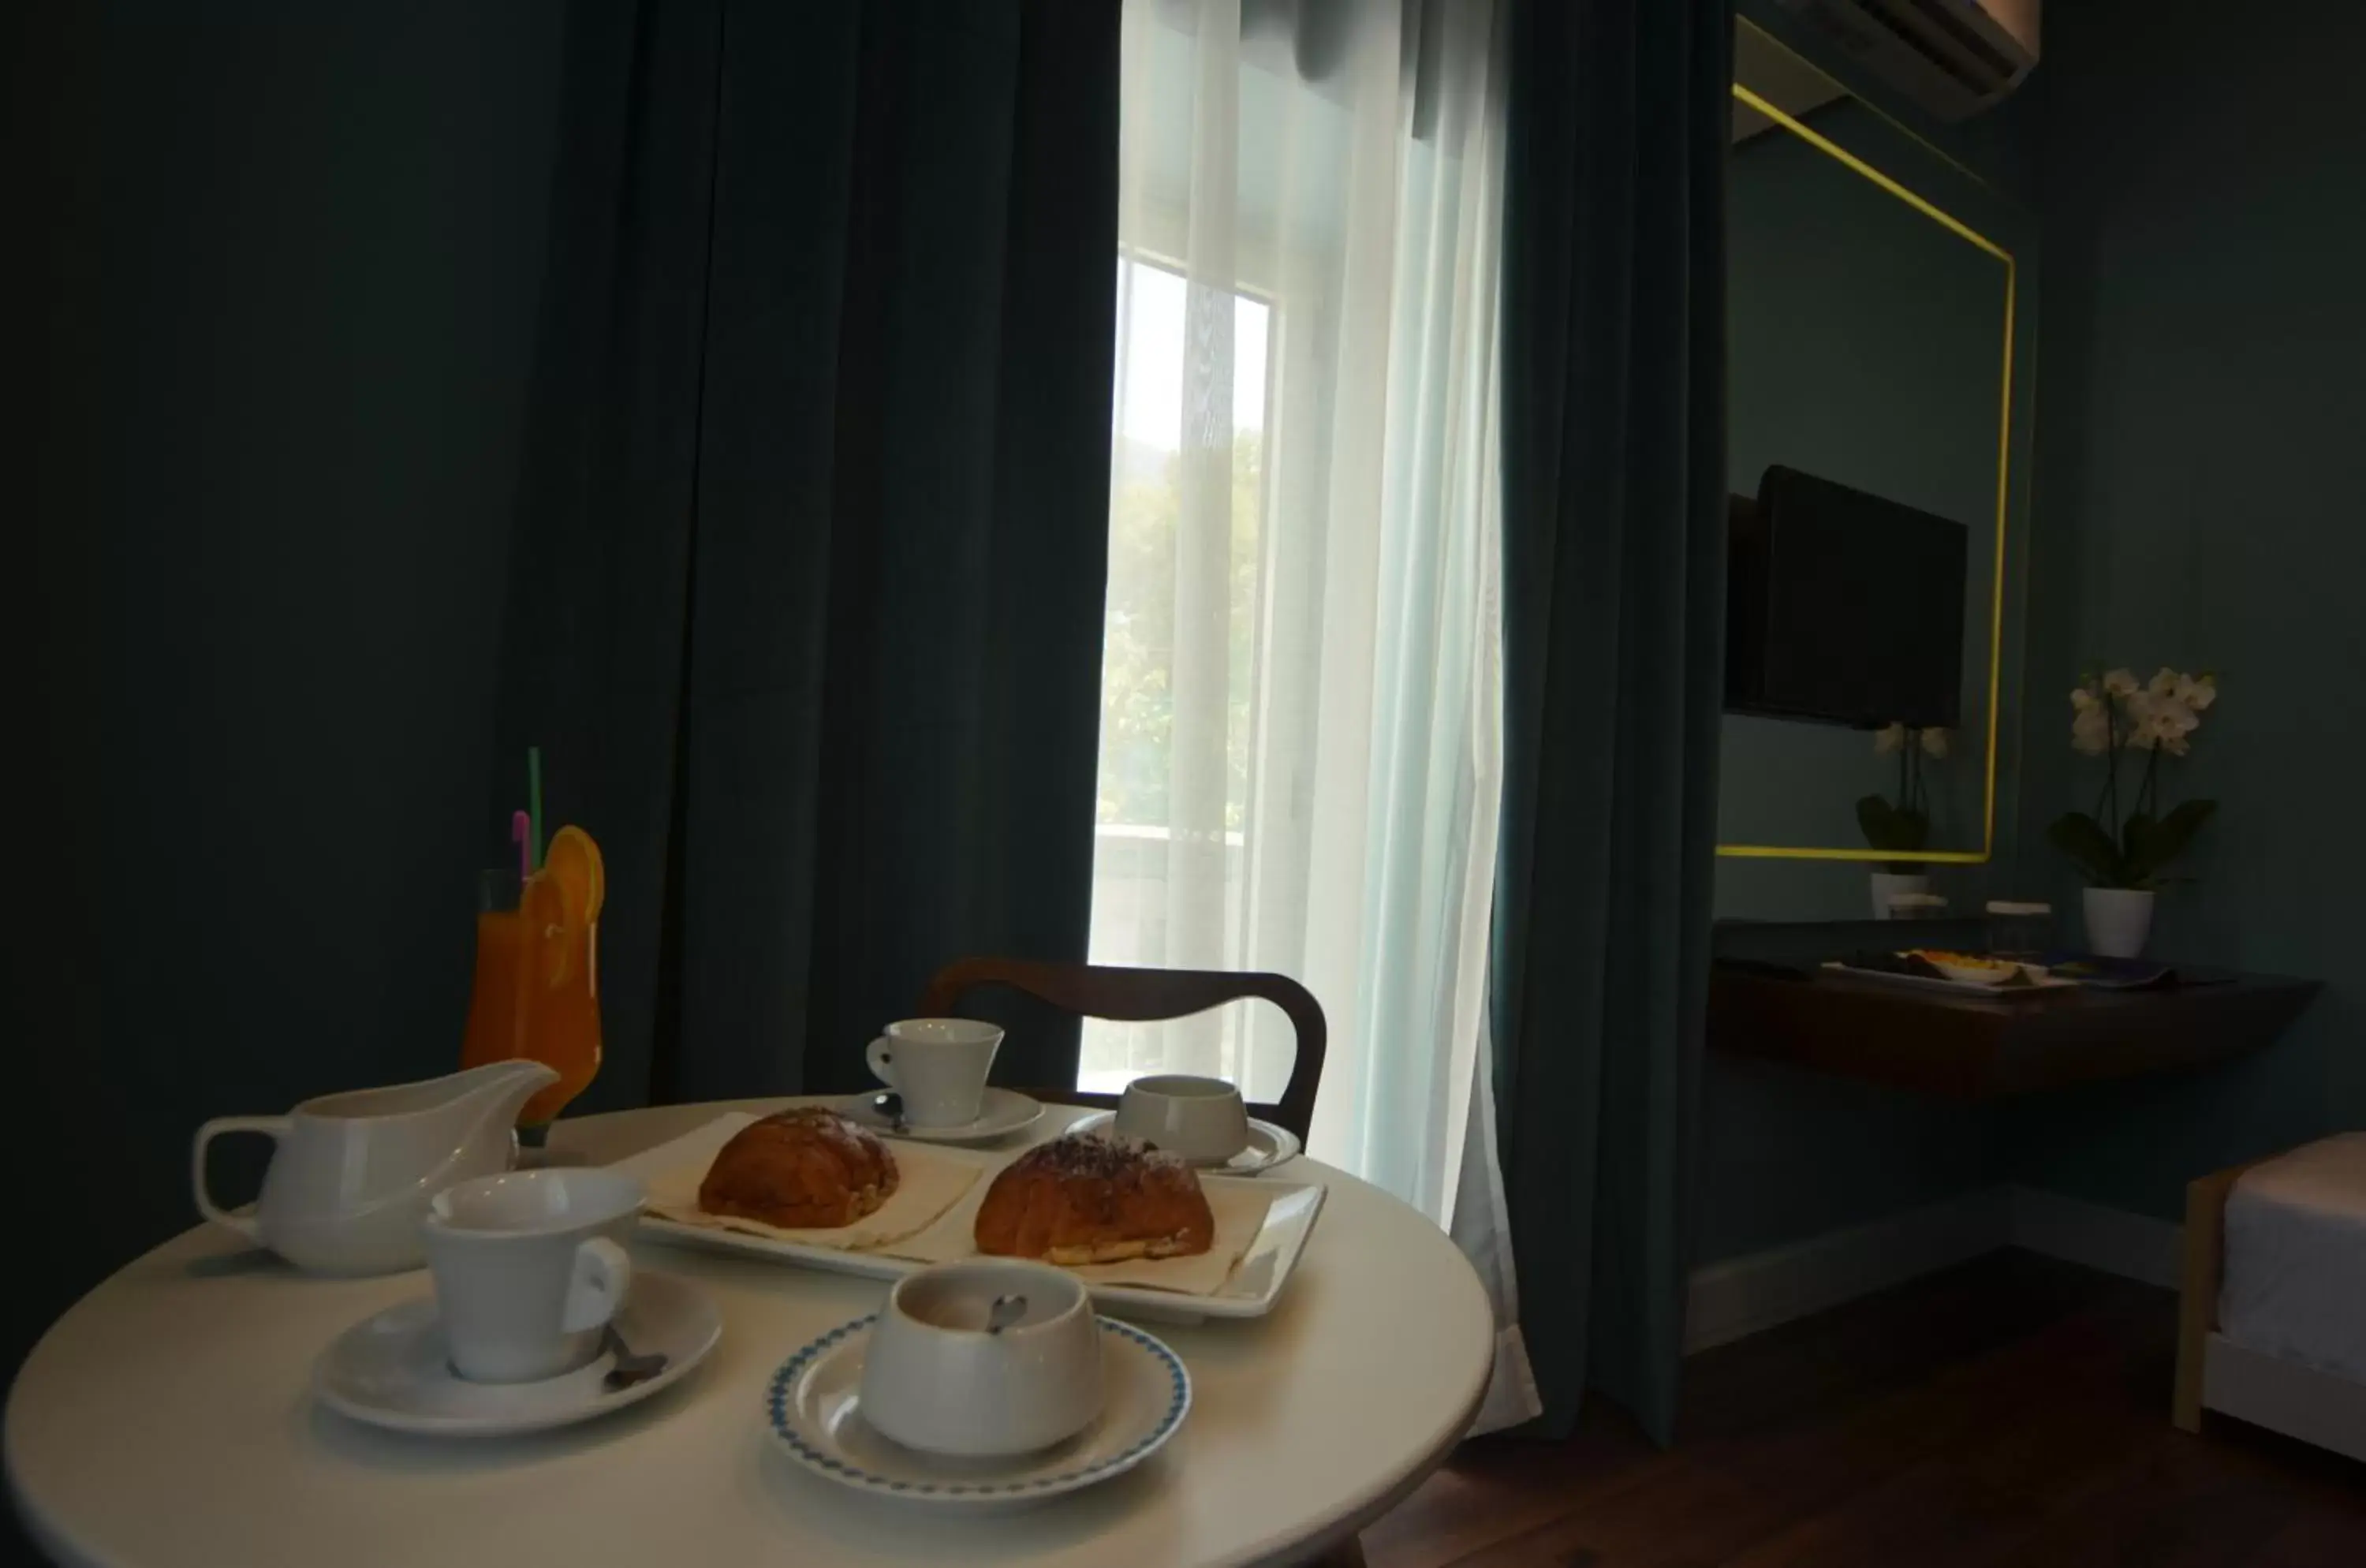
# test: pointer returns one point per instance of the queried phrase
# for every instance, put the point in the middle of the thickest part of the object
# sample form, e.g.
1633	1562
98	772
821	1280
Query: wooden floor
2013	1411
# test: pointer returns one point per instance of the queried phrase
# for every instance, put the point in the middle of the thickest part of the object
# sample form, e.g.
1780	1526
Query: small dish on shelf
1969	968
1912	970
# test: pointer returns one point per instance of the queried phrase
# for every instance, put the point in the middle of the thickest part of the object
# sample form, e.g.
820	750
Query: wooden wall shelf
1975	1048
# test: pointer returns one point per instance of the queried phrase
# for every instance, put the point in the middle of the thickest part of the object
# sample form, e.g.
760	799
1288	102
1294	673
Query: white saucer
1268	1146
813	1405
1001	1112
392	1370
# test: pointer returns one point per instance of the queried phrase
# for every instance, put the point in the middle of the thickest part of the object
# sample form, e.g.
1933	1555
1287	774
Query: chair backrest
1142	996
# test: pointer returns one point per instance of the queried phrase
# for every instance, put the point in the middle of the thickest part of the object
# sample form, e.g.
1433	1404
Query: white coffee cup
529	1267
935	1380
938	1064
1200	1118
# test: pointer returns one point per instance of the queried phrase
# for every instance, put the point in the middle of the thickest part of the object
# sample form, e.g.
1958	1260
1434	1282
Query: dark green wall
318	242
2202	502
1787	1154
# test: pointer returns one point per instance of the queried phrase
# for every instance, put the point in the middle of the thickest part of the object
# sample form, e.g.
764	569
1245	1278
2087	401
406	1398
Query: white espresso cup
529	1267
938	1064
1200	1118
935	1379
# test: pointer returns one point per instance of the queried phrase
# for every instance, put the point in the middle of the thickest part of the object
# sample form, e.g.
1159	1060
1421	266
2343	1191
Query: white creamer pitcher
351	1180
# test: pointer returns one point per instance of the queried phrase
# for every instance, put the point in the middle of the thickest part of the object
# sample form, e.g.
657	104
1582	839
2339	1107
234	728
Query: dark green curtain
1614	541
805	606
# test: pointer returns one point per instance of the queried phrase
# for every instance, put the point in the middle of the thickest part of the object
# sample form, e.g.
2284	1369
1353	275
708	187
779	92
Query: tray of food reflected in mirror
1945	969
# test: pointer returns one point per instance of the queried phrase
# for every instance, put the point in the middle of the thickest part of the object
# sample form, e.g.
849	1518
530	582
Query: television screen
1843	607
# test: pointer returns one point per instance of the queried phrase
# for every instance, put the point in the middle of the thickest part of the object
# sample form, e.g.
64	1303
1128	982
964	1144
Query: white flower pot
1888	885
2118	920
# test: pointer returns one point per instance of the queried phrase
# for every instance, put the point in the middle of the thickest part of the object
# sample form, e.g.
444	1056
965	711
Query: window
1156	564
1298	719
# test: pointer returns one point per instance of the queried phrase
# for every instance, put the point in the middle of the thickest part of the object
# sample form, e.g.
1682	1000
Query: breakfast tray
1250	1290
2036	983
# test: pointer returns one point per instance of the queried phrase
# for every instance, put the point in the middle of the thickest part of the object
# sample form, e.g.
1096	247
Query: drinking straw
534	806
520	832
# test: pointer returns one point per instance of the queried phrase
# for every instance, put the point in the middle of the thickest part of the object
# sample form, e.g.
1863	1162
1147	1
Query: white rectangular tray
1254	1285
2039	981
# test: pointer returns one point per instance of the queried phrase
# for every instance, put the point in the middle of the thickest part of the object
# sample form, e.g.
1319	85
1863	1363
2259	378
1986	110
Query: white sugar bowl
1200	1118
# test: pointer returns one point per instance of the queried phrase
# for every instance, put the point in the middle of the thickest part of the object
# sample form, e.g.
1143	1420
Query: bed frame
2214	1373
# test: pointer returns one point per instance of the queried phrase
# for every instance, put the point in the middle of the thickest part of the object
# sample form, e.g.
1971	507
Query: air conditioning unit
1952	57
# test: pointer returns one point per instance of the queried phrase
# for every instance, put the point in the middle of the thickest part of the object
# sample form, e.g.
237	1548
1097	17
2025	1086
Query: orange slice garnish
573	862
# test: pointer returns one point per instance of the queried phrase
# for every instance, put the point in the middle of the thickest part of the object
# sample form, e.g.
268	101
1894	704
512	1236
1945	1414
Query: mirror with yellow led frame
1871	319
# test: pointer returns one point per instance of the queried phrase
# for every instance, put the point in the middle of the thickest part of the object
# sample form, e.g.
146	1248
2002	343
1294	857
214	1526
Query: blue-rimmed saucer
814	1406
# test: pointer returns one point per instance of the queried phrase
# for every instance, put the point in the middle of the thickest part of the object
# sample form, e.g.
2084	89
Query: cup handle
880	1061
272	1127
604	1276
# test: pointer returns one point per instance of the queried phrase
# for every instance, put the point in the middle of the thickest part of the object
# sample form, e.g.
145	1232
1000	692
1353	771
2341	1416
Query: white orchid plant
2128	841
1902	826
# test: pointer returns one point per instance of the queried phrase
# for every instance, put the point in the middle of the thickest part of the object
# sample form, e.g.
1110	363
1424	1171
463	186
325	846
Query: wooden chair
1140	996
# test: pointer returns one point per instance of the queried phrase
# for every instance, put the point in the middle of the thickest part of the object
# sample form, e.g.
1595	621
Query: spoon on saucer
890	1105
631	1367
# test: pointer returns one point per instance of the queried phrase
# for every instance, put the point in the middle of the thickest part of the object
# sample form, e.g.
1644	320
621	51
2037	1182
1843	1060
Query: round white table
164	1421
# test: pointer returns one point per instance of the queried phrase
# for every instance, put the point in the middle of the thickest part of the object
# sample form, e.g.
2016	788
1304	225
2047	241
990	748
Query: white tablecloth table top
164	1421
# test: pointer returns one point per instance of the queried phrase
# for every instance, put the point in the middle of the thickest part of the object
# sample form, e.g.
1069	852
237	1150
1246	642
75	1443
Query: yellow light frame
2004	468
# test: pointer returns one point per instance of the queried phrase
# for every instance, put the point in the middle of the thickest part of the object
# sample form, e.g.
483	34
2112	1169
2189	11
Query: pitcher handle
273	1127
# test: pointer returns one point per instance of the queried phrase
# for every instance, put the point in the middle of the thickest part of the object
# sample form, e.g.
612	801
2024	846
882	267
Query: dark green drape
805	606
1614	538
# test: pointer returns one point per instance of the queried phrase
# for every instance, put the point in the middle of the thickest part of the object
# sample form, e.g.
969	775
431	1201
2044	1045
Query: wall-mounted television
1843	607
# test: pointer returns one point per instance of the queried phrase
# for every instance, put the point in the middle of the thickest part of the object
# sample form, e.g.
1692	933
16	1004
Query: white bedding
2295	1279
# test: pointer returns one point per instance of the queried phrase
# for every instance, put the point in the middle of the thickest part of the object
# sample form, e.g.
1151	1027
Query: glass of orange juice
537	993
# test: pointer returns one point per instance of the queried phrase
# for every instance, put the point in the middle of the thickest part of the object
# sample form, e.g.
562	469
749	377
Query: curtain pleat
1614	516
805	606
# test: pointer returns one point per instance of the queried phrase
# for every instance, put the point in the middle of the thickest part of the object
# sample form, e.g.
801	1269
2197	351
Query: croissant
807	1169
1087	1200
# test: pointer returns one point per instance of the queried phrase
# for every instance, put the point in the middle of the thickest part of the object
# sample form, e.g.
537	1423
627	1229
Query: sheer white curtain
1300	731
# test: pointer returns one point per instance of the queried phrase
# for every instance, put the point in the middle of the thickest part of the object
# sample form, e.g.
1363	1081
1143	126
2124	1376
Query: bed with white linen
2273	1324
